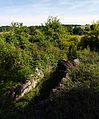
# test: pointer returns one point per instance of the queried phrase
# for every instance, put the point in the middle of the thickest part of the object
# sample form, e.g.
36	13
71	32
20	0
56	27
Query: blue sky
35	12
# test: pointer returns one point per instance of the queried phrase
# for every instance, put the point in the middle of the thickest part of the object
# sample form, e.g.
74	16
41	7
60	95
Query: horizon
41	24
36	12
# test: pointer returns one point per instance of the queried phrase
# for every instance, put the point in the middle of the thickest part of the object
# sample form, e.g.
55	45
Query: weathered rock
76	61
28	85
64	66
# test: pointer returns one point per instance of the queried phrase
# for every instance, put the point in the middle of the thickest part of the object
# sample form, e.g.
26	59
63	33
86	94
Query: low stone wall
60	74
26	87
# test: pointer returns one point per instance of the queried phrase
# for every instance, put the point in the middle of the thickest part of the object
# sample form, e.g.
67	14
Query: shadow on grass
78	103
75	104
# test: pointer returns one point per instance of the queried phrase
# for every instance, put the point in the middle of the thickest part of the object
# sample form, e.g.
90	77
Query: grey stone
26	87
76	61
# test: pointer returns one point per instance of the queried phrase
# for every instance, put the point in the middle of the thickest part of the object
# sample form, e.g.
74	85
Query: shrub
91	38
82	54
15	63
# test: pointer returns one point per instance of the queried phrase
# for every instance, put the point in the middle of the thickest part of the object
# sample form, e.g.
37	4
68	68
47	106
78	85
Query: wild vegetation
23	49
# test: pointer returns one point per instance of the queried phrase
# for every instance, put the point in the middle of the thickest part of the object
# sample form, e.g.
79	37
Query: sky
35	12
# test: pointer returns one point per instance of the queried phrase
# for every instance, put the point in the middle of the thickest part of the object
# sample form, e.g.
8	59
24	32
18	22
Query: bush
83	54
91	39
15	63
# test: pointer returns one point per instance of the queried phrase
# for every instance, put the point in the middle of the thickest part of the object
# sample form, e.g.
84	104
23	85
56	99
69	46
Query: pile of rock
28	85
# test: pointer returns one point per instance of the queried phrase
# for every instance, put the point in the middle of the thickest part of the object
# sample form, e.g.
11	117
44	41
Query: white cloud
37	20
37	11
26	20
78	19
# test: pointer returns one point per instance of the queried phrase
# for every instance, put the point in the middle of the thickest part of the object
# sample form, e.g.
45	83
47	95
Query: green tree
55	31
77	30
91	37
